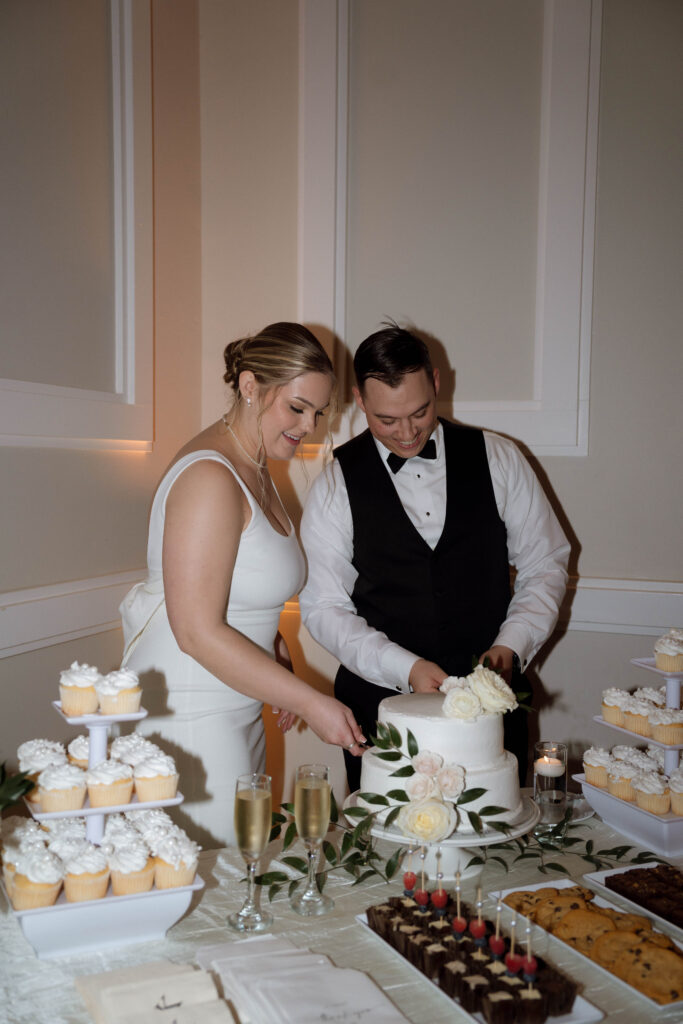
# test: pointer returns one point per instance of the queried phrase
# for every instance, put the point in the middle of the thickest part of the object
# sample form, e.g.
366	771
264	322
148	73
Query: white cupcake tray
68	928
636	736
86	809
660	833
97	718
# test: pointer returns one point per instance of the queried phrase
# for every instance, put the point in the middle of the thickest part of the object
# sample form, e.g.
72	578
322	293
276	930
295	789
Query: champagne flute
253	804
312	815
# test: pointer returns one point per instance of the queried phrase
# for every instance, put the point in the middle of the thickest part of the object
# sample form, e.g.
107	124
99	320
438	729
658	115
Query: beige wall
69	515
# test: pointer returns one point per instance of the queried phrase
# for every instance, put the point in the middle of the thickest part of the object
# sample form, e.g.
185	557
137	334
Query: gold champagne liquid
252	821
312	808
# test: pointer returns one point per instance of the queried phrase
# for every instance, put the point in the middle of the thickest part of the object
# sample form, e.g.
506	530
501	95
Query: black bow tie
394	462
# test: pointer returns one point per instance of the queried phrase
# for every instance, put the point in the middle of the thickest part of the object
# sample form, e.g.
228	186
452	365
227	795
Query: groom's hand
500	659
425	676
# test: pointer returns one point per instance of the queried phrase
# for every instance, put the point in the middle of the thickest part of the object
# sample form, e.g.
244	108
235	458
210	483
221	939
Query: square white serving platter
567	883
67	928
583	1012
596	880
660	833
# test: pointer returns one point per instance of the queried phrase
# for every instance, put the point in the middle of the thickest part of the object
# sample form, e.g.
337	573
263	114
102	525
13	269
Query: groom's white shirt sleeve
537	547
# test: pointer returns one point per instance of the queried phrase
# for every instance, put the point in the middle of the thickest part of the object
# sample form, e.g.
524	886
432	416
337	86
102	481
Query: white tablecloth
34	991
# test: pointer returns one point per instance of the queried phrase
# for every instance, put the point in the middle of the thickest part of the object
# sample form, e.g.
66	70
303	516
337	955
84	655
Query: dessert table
34	991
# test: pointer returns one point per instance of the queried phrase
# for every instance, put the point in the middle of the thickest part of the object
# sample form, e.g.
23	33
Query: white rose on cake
419	786
428	821
461	702
427	763
451	682
451	781
492	690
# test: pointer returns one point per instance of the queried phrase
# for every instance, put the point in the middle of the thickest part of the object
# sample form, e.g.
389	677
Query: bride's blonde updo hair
276	355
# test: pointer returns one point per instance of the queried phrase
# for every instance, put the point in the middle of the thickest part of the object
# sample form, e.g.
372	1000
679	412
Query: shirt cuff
397	664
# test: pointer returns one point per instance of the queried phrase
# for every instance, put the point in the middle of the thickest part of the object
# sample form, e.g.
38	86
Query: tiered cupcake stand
661	833
66	928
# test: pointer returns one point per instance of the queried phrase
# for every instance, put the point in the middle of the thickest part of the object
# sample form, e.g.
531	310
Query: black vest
444	605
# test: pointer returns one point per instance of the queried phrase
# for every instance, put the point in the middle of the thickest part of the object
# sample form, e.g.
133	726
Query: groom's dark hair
389	354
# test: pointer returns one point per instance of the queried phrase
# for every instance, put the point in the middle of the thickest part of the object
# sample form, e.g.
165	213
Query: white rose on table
427	763
428	821
460	702
492	690
450	682
419	786
451	781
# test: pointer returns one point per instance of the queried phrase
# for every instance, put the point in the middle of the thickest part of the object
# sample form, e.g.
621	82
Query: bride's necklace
254	462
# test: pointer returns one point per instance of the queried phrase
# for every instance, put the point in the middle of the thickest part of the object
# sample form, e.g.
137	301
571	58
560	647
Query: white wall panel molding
40	414
555	420
645	607
44	616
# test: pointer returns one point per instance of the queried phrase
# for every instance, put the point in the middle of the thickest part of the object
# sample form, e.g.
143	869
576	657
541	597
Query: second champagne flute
253	804
312	815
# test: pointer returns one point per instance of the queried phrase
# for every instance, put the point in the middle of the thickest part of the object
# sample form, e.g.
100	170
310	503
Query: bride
202	630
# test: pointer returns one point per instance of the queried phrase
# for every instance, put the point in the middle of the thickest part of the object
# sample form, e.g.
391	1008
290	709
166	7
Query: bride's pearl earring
249	401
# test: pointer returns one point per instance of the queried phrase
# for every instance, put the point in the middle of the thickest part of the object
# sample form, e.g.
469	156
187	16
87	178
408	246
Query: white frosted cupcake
118	831
132	869
78	751
34	756
14	828
37	880
637	757
596	761
656	697
15	846
669	652
109	783
613	701
77	690
666	725
65	846
620	778
636	716
119	692
652	792
156	778
86	874
73	828
676	788
175	861
61	788
154	833
132	749
656	754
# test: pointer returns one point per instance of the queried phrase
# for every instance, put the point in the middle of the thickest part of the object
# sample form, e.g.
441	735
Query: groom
410	535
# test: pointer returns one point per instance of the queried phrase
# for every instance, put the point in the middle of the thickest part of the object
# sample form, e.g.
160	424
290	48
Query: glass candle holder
550	780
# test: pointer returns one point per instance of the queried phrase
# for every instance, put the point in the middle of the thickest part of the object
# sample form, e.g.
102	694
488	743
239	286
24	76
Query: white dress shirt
537	548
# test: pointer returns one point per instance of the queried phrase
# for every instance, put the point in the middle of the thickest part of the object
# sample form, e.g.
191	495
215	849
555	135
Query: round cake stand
451	855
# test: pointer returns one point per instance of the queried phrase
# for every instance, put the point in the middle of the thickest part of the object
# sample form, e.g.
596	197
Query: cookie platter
67	928
558	944
582	1011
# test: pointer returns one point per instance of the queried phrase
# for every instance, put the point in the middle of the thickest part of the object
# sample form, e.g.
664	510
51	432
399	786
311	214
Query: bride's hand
334	723
286	719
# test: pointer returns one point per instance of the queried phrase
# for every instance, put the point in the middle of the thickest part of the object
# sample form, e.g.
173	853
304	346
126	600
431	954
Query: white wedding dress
213	732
